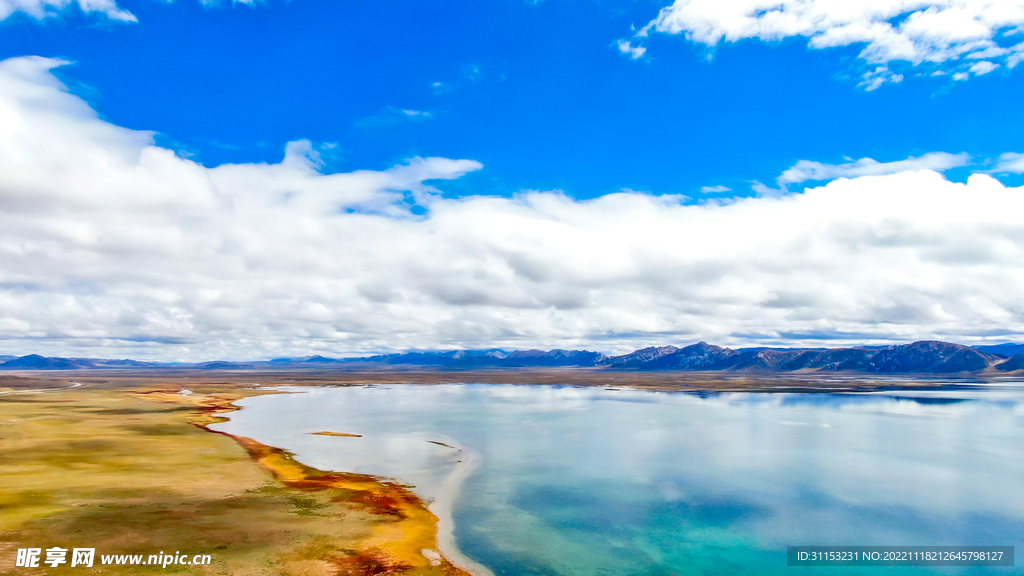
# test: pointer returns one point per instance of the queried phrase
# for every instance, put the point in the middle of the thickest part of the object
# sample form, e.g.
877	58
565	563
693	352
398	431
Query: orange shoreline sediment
406	537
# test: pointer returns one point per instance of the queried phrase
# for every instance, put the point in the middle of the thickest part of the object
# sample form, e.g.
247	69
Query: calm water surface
584	481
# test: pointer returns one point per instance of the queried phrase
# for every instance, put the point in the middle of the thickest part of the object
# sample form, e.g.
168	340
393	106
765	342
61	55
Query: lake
559	480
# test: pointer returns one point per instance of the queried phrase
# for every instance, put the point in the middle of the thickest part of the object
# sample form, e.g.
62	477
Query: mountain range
924	357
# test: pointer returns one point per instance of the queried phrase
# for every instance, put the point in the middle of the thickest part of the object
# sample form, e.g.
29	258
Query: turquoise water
584	481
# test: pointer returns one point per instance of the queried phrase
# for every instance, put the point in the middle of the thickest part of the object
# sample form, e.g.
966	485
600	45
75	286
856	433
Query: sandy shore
384	495
442	508
443	498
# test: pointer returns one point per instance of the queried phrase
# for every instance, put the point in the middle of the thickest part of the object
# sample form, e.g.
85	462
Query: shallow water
585	481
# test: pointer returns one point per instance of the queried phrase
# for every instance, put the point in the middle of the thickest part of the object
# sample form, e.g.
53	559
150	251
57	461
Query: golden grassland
126	466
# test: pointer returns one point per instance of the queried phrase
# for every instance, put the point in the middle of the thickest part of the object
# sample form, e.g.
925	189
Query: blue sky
194	180
537	92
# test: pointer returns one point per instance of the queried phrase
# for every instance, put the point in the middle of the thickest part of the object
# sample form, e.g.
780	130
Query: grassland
124	465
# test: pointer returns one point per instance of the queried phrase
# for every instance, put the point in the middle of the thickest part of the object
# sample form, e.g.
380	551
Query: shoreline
667	380
442	507
699	382
286	468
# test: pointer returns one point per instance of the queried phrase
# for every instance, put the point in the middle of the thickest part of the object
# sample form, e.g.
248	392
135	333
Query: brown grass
126	465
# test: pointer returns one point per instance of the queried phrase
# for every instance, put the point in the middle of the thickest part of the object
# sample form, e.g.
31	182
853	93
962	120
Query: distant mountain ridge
37	362
924	357
1007	350
489	359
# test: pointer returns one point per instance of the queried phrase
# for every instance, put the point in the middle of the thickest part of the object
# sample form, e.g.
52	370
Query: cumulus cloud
712	189
1016	55
634	52
874	79
983	67
951	33
1010	163
112	246
47	8
806	170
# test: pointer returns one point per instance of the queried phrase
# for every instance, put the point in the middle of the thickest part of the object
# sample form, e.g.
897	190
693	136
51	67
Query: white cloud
390	115
712	189
805	170
936	32
47	8
983	67
873	79
415	113
766	191
1010	163
634	52
1015	56
111	246
42	9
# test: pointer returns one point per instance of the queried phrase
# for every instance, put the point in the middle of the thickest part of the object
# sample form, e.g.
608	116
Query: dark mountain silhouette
929	356
318	359
835	360
699	356
776	361
115	363
37	362
1007	350
498	358
704	356
1014	363
446	358
641	357
551	358
925	357
219	365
